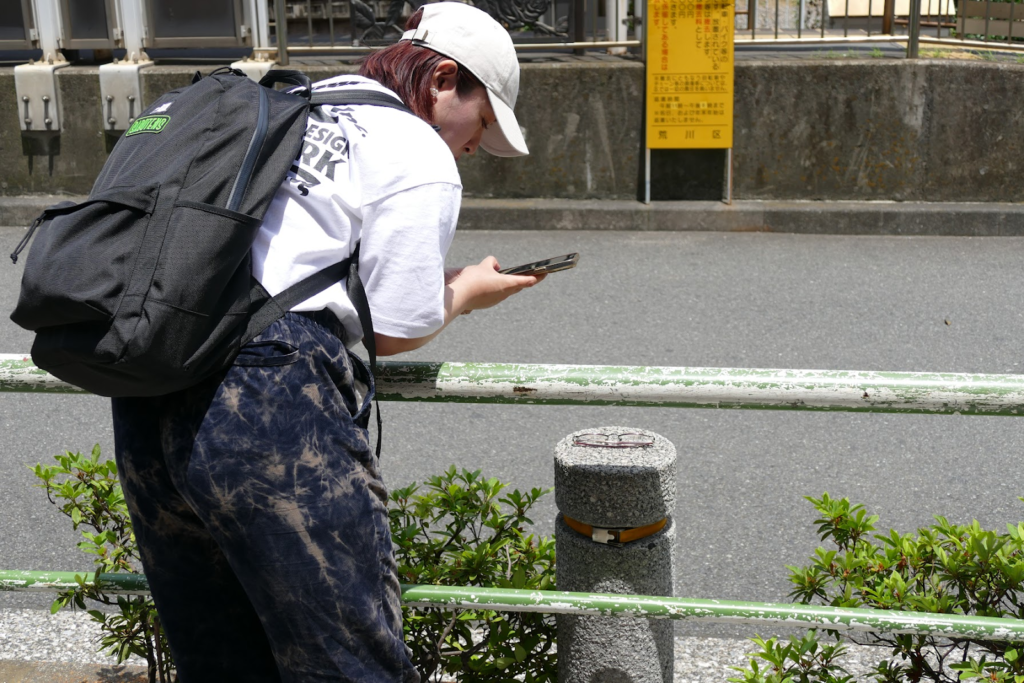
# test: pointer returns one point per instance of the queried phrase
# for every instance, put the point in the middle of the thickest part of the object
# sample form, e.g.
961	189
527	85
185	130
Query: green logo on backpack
148	124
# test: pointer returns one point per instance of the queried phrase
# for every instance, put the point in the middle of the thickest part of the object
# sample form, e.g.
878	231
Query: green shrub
86	489
461	529
801	660
944	568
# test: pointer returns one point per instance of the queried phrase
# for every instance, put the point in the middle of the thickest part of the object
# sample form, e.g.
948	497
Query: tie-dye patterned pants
261	516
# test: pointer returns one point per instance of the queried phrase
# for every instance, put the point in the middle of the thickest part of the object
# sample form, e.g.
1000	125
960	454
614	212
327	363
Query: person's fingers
523	280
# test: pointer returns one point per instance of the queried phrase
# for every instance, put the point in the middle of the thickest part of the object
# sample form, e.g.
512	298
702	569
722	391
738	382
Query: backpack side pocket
82	259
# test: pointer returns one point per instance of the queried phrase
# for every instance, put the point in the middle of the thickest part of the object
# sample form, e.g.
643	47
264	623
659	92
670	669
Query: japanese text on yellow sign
689	74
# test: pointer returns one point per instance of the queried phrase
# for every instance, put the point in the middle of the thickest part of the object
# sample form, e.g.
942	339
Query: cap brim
504	139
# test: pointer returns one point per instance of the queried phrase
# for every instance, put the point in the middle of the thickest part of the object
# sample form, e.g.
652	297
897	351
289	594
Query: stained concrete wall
934	130
583	123
82	149
829	130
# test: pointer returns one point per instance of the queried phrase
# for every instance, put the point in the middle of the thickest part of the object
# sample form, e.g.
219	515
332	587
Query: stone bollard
614	484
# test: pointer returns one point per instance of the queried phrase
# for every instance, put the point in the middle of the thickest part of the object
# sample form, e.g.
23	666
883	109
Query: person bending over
256	498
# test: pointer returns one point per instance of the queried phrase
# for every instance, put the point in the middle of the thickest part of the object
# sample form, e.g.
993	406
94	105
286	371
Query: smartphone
551	265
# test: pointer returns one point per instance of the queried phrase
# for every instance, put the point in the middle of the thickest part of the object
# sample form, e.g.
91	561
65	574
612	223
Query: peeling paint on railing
705	387
19	373
725	611
606	604
836	390
115	584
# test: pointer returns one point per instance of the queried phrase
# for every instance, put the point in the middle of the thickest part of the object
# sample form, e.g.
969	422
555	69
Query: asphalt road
675	299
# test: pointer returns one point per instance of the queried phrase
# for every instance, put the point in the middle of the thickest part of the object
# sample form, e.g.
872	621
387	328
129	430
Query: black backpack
146	287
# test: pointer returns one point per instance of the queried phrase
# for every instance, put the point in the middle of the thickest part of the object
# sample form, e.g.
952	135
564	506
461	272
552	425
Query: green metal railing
828	390
604	604
892	392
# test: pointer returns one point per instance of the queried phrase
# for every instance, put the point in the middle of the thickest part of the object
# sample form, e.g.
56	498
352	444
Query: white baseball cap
476	41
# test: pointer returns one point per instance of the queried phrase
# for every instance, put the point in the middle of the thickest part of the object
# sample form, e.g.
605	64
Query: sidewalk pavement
13	671
807	217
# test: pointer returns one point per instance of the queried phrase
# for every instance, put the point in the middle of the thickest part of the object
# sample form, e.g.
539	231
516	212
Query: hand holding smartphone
551	265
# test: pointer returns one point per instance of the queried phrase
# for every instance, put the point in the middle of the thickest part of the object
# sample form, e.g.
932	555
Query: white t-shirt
374	174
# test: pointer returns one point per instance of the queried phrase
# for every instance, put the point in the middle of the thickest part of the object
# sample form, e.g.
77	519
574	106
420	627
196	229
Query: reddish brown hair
407	70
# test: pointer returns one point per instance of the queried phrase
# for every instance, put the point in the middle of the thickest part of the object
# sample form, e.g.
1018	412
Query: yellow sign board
689	74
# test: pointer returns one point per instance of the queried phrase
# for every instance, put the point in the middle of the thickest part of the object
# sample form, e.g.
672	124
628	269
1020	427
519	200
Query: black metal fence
338	26
275	29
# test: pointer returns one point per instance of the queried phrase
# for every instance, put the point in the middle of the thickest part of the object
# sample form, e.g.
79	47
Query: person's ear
444	75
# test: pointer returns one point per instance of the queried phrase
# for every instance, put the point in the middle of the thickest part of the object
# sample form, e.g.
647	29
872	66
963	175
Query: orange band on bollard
614	535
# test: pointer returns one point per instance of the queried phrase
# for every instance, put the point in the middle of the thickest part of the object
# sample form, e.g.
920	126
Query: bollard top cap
615	477
613	440
616	447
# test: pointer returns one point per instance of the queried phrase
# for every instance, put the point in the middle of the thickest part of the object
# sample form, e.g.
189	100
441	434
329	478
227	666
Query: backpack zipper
252	153
24	240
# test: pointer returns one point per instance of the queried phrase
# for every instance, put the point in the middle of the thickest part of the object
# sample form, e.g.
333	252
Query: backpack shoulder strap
276	306
372	97
341	96
287	77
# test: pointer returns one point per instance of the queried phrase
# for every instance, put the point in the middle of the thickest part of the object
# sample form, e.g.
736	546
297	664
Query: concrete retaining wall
805	130
935	130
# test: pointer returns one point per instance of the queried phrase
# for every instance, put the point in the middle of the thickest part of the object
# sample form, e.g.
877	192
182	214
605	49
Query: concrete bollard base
611	649
590	644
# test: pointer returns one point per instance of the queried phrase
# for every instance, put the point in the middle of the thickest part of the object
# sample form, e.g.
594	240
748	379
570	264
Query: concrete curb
14	671
821	218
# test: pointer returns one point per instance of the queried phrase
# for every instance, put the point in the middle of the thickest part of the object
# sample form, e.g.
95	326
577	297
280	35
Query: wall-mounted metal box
197	23
89	25
17	25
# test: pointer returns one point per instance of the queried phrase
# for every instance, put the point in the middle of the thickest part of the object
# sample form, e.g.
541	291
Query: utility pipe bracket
121	93
36	88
